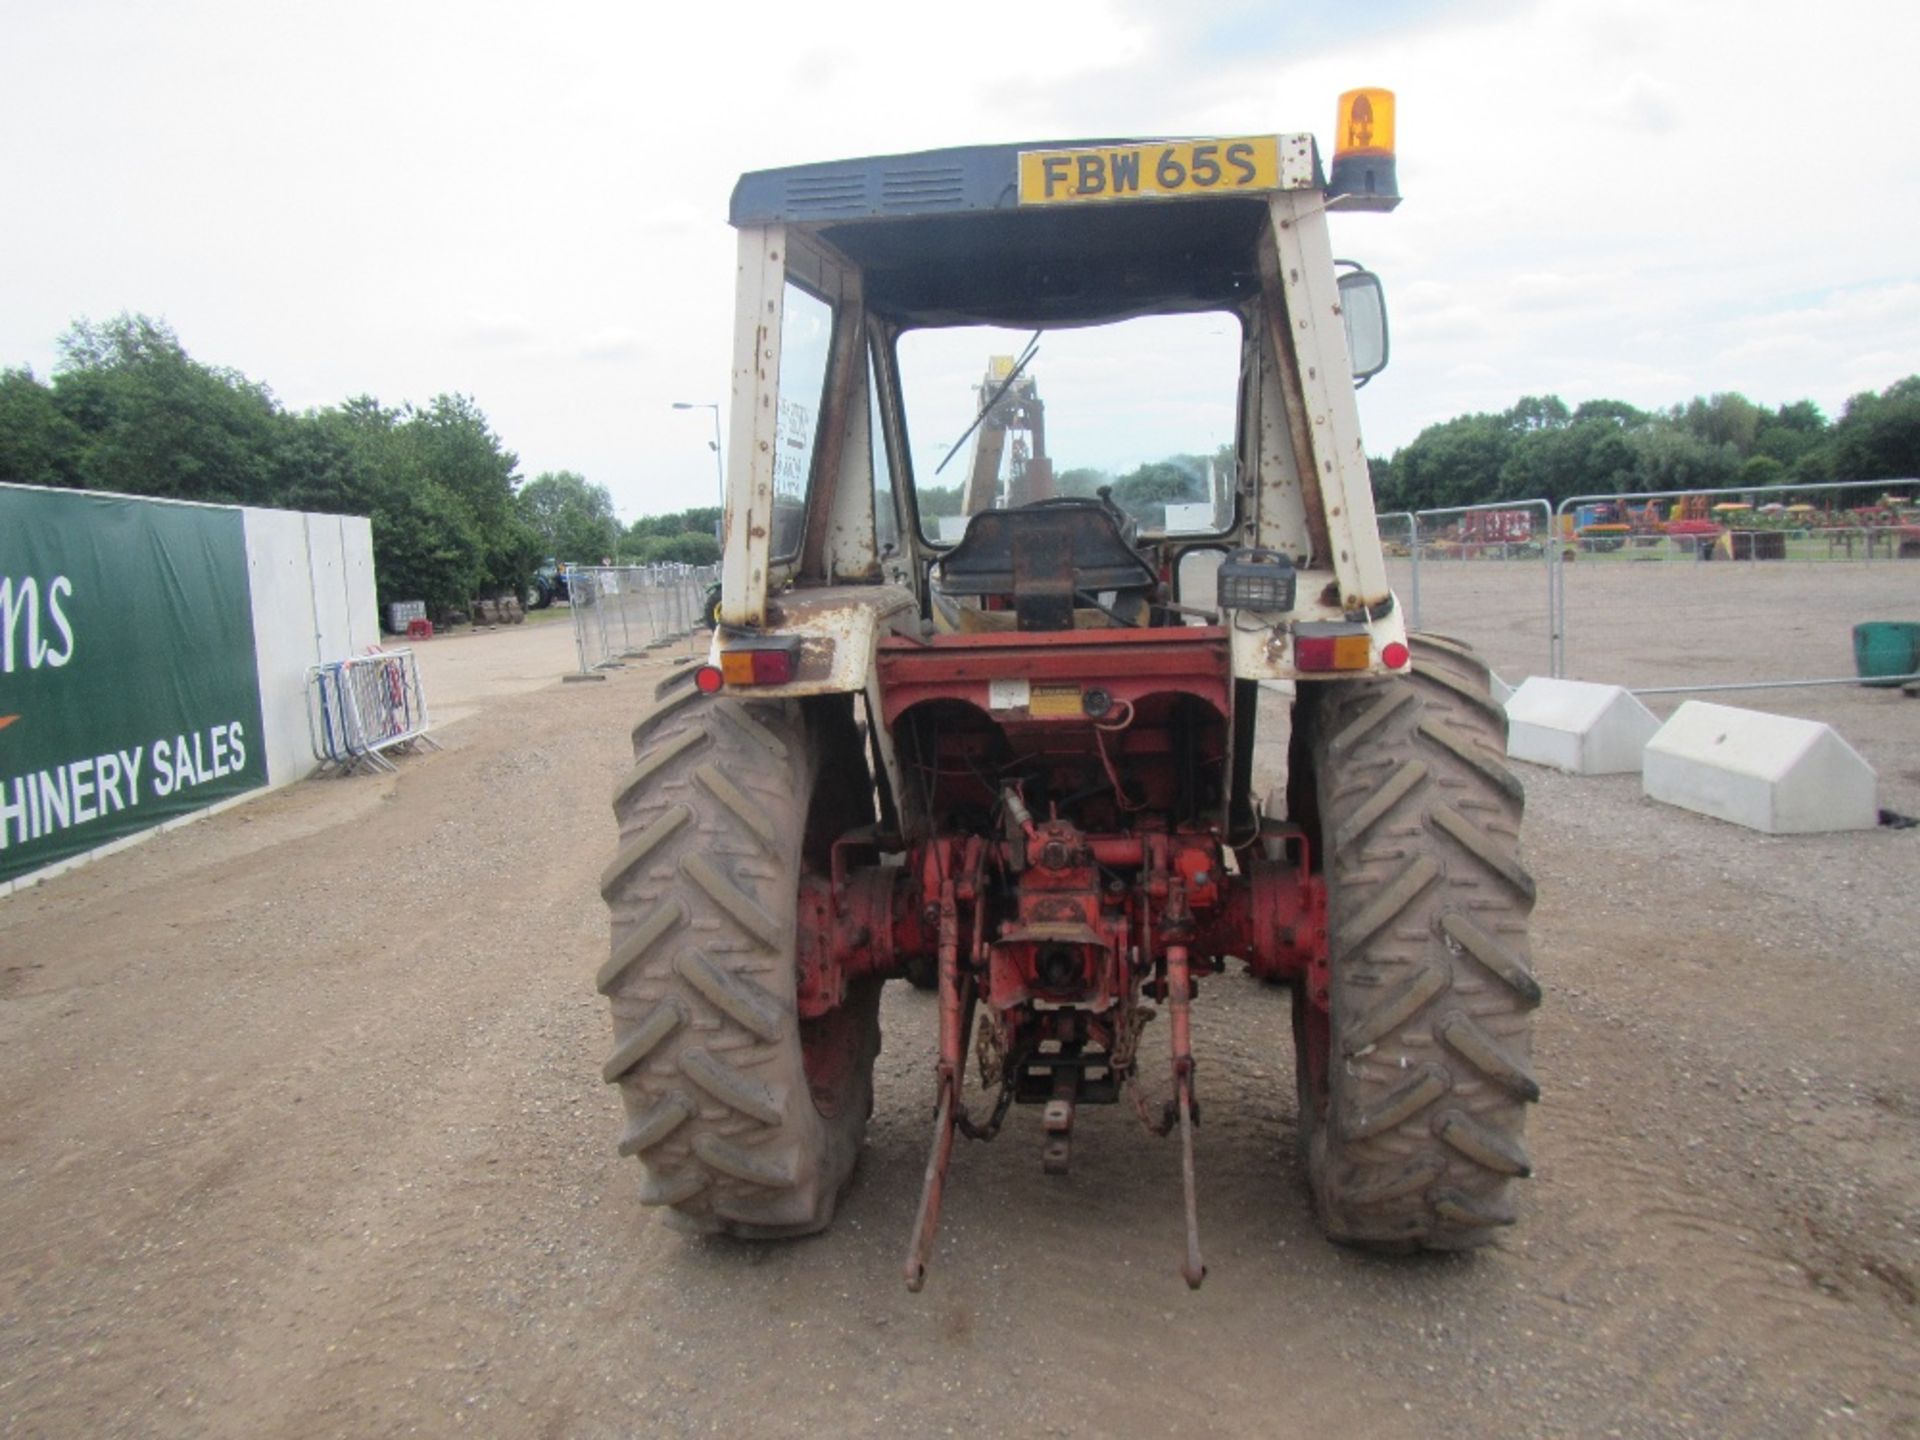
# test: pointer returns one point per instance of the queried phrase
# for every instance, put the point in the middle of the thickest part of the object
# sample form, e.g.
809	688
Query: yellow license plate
1055	702
1150	171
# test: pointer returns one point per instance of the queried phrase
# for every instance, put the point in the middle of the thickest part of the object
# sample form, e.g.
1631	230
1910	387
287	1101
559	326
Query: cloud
1547	290
1456	323
1643	198
1646	104
614	343
495	330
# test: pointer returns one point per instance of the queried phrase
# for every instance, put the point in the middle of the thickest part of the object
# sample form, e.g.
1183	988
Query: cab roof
942	238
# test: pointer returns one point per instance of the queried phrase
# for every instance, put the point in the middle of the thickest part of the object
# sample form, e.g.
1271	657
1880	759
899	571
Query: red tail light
772	667
760	662
1330	649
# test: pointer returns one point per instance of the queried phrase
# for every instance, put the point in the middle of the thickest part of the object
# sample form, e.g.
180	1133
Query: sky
1638	199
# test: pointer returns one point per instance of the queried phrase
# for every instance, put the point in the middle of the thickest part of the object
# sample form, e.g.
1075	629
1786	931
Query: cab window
806	338
1000	417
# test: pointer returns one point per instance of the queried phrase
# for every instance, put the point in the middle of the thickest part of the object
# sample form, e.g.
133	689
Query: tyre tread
1432	983
703	893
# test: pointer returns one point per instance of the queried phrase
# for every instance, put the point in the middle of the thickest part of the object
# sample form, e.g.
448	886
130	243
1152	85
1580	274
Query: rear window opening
997	417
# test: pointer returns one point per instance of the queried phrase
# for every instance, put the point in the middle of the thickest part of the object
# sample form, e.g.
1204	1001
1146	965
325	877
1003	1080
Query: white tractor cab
1179	304
988	723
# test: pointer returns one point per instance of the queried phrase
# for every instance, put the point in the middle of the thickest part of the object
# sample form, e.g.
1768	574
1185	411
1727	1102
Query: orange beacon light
1363	176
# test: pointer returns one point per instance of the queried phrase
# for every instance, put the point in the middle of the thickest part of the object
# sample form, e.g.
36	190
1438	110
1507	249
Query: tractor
1020	762
550	583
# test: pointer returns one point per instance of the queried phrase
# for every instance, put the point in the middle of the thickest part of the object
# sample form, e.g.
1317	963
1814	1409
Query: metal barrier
1786	539
359	708
1502	532
1511	531
1399	540
620	611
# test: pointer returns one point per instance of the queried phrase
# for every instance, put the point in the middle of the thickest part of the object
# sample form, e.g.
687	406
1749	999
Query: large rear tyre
1415	1081
746	1119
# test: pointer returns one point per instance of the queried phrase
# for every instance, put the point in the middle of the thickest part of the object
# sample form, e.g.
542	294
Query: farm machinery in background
1612	525
1605	525
1739	529
1478	534
549	584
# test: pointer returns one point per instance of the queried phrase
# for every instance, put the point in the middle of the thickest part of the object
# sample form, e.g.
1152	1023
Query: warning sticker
1007	694
1055	702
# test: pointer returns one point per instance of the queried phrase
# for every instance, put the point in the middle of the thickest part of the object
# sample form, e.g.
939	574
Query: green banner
128	690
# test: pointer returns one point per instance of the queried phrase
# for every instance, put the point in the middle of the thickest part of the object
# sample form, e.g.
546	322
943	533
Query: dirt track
302	1134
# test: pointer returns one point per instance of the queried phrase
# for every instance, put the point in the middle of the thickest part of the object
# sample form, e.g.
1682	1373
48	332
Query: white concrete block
1502	691
1574	725
1768	772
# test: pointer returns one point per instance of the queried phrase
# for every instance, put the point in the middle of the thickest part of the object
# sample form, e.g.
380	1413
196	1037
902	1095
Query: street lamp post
719	462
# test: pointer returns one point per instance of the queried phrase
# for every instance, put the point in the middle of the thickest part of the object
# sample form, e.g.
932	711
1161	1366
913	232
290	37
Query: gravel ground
302	1134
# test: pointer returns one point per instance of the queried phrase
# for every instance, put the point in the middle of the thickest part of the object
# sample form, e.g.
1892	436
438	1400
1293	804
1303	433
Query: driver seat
1043	556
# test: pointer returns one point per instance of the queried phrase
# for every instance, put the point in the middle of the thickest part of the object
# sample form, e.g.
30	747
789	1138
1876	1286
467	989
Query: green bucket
1886	648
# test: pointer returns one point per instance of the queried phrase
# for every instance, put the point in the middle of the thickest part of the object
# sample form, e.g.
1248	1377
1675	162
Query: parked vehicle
1024	759
549	584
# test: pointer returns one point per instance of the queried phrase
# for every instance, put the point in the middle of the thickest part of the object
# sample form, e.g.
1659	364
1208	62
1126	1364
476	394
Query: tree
426	544
1668	457
426	547
1386	484
38	444
129	410
157	422
937	500
1616	412
451	440
1537	412
1081	481
686	537
690	548
438	489
1458	462
1802	416
700	520
1160	482
573	519
1878	436
1586	457
321	464
1722	419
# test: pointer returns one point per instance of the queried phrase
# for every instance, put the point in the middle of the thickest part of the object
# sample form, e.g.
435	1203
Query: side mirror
1363	305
